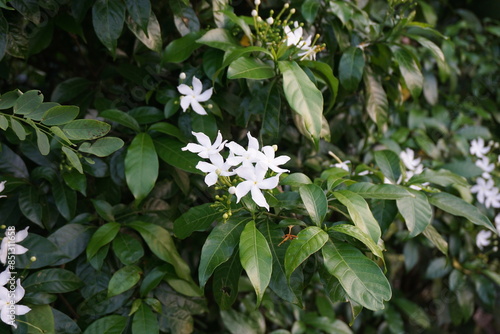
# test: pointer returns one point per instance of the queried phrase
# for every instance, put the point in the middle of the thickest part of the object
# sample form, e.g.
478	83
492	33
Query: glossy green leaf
249	68
271	115
296	180
219	246
124	279
28	102
73	159
437	239
59	115
376	99
70	89
152	37
180	49
315	202
325	72
360	213
225	281
43	142
127	248
167	129
233	54
121	118
4	33
139	10
104	235
102	147
45	251
4	123
256	258
380	191
416	212
303	96
65	199
360	277
141	166
351	68
53	280
440	177
30	205
409	69
154	277
108	17
218	38
308	241
145	321
389	164
111	324
86	129
170	151
309	10
72	240
357	233
18	129
41	317
198	218
458	207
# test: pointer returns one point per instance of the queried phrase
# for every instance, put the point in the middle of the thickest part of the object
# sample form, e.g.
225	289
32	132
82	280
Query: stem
27	323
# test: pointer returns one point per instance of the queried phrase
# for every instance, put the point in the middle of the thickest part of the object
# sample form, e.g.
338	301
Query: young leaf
361	278
308	242
351	68
123	280
256	258
416	211
315	201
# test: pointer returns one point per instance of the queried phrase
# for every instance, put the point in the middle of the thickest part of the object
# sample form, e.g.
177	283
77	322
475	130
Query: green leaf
28	102
103	236
167	129
441	177
154	277
145	321
4	33
121	118
124	279
360	277
271	114
409	69
433	235
71	239
70	89
225	281
59	115
59	133
315	201
107	18
219	246
250	68
8	100
43	142
218	38
45	251
304	97
102	147
152	37
170	151
127	248
4	123
256	258
18	129
360	213
181	49
389	164
309	10
416	211
458	207
308	242
64	198
198	218
52	281
376	99
73	159
233	54
86	129
162	245
380	191
325	72
139	10
111	324
296	180
41	317
141	166
357	233
351	68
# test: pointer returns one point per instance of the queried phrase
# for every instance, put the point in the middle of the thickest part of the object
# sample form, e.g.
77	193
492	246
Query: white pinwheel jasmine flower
193	96
9	306
409	160
2	187
267	159
492	198
483	239
9	244
255	182
294	37
205	148
5	277
482	188
484	164
343	165
477	148
242	156
214	169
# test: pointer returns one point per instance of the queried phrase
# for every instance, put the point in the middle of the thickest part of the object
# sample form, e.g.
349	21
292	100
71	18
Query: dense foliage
249	167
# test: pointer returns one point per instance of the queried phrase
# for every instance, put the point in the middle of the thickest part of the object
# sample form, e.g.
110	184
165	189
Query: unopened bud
182	76
232	190
225	216
292	11
286	5
256	2
210	106
254	13
33	258
275	147
270	20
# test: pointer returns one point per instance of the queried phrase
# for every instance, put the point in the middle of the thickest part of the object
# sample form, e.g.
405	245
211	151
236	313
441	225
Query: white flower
216	168
483	239
492	198
268	161
206	148
2	187
477	148
294	37
245	157
9	299
193	97
482	187
254	182
342	165
10	242
484	164
408	157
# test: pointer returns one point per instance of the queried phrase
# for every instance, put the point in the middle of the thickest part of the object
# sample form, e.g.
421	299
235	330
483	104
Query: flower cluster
244	171
10	297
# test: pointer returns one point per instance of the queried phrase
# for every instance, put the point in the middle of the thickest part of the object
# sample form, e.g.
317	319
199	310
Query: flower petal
22	310
211	179
197	86
4	276
269	183
203	139
205	95
185	90
21	235
197	107
186	101
205	167
4	315
253	143
259	198
242	189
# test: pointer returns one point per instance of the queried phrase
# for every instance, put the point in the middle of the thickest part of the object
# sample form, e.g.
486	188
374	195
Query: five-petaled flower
205	148
9	299
193	96
255	181
477	147
483	239
9	244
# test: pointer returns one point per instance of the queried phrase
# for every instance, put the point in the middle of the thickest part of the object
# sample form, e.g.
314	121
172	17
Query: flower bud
270	20
182	76
292	11
33	258
232	190
256	2
286	5
275	147
254	13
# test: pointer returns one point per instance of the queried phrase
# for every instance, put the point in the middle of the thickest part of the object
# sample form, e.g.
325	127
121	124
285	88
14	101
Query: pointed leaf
433	235
107	18
380	191
59	115
198	218
256	258
73	159
127	248
170	151
28	102
102	147
376	99
121	118
389	164
225	281
152	37
249	68
139	10
357	233
53	280
351	68
416	211
180	49
145	321
123	280
409	69
103	236
141	166
315	201
218	38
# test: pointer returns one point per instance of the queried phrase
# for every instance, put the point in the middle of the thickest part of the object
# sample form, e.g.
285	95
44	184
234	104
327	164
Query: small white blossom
254	13
343	165
477	148
409	160
245	157
267	160
9	242
492	198
2	187
255	182
483	239
205	149
9	300
193	96
216	168
482	188
484	164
